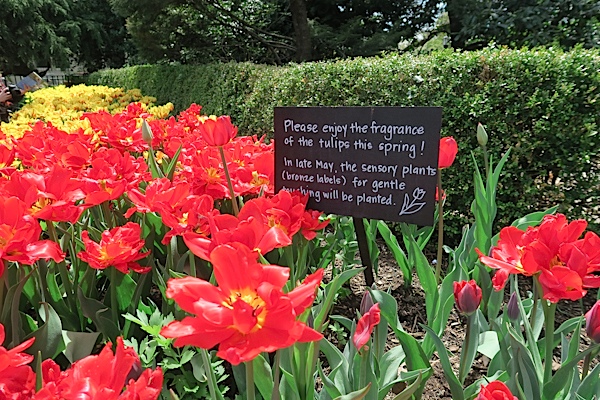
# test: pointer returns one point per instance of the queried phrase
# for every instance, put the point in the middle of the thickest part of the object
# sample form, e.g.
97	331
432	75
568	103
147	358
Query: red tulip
495	390
20	233
51	196
467	296
17	380
119	247
101	377
311	224
565	264
217	131
448	150
505	257
592	322
248	313
365	326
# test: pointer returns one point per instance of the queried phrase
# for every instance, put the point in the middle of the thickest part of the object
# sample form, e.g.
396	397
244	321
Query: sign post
365	162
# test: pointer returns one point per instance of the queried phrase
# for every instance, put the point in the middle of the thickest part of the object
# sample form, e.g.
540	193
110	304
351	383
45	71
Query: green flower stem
587	360
438	266
35	270
3	279
192	259
536	291
108	215
275	395
364	364
114	302
210	375
486	161
549	313
39	382
312	365
62	266
465	364
236	211
250	380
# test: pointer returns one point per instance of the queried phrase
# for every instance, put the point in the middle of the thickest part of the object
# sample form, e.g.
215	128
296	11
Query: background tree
27	36
98	36
200	31
271	31
517	23
365	28
37	33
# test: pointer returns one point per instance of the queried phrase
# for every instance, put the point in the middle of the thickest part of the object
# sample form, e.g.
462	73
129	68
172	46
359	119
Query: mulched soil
411	312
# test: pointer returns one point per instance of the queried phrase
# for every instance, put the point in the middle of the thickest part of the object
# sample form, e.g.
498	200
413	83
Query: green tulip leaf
263	377
488	344
408	392
357	395
48	338
455	386
562	377
79	344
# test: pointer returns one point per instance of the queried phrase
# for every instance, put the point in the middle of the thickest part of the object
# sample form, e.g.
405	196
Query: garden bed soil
412	313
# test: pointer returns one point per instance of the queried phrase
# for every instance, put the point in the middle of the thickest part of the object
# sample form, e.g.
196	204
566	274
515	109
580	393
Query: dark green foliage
27	35
517	23
58	33
205	31
366	28
544	104
97	36
200	32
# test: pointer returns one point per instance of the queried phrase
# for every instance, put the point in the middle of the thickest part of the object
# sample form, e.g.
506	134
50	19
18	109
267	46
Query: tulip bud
482	137
147	133
365	326
447	152
592	322
467	296
512	309
310	320
366	303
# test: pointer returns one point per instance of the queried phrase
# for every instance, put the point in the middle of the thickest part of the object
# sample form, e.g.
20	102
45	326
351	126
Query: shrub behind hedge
544	104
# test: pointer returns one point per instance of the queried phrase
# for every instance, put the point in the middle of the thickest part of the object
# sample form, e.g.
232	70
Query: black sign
368	162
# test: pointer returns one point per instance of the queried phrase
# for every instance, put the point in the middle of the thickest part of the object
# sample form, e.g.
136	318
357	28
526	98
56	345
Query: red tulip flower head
119	247
495	390
102	377
467	296
20	233
17	379
448	150
248	313
592	322
553	251
217	131
365	326
14	357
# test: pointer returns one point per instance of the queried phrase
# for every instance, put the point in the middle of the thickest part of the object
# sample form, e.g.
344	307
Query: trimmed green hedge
544	104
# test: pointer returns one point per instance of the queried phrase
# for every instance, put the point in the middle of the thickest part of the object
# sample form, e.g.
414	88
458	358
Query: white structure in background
52	76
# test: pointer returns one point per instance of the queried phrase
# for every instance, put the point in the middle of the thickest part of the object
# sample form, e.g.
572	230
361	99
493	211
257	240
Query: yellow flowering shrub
63	107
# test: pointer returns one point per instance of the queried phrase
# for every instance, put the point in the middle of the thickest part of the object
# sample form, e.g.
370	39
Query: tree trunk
301	30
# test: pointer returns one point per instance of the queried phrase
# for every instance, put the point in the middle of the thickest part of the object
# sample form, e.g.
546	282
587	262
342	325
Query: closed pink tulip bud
365	326
467	296
448	150
592	322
